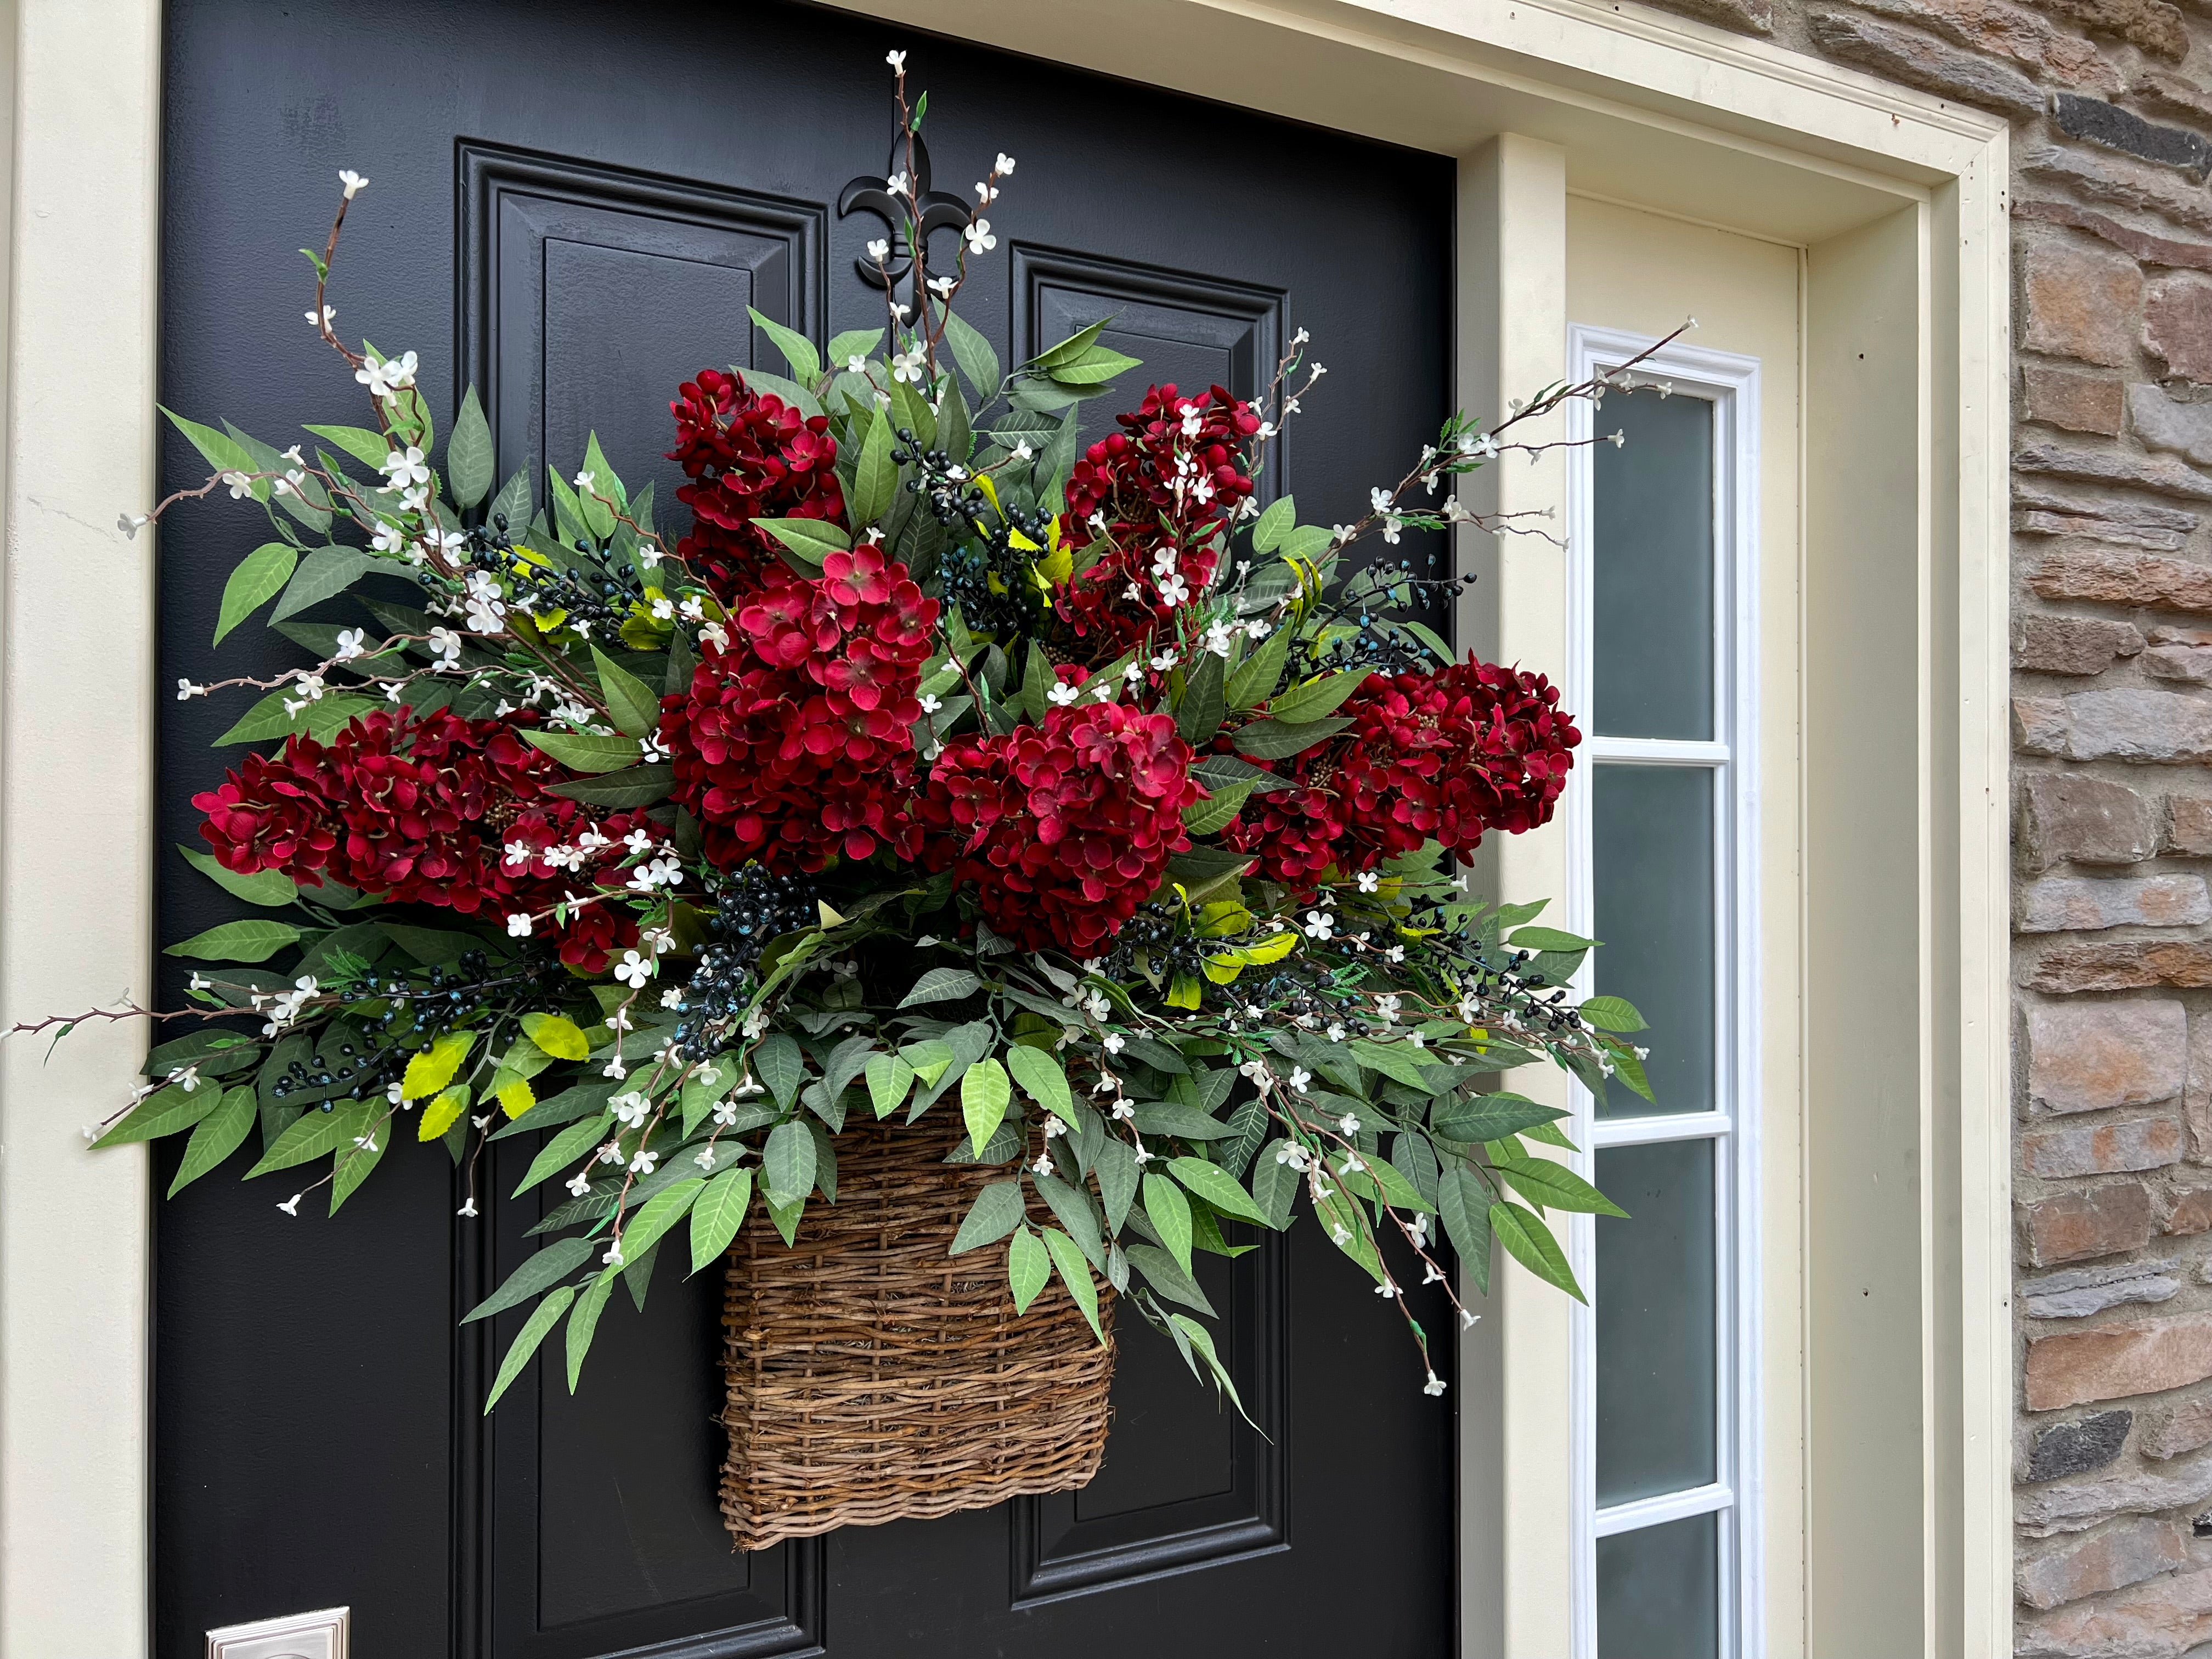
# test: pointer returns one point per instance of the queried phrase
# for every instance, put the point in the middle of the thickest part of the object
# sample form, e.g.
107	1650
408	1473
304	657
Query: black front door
573	205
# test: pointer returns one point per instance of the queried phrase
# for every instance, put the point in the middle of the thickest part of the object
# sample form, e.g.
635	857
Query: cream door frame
1898	199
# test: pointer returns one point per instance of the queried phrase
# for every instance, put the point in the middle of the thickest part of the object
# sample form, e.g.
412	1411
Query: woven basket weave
871	1377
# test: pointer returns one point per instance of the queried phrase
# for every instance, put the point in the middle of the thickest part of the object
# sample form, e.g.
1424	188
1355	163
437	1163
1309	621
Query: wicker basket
871	1377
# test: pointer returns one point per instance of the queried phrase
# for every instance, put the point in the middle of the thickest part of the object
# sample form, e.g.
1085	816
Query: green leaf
260	575
1174	1117
1028	1268
1170	1214
1612	1014
1346	1223
547	1266
1075	1274
1116	1166
469	454
1272	739
581	751
779	1062
1268	529
984	1095
1308	541
996	1212
797	350
632	785
661	1212
1274	1185
1255	677
164	1112
875	474
237	941
1552	1185
354	1164
853	343
367	447
974	354
1317	697
605	486
321	719
1095	367
1201	1341
1070	349
1529	1242
1198	716
809	541
564	1149
535	1329
224	454
718	1213
513	501
220	1134
787	1163
584	1321
889	1079
268	888
798	397
1215	1186
314	1135
1043	1081
1488	1118
1548	938
1168	1279
324	574
942	985
1393	1060
635	708
1464	1202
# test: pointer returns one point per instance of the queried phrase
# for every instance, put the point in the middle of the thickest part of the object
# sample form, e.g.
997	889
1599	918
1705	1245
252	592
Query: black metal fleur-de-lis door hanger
905	180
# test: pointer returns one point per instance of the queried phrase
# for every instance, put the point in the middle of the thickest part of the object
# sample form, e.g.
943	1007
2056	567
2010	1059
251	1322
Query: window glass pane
1653	549
1657	1364
1659	1591
1653	849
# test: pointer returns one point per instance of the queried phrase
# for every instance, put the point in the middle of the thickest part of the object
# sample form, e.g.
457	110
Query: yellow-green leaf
557	1034
444	1111
516	1097
1028	1268
985	1093
427	1073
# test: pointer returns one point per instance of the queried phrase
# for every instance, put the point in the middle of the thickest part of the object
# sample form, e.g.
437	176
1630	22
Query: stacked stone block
2111	106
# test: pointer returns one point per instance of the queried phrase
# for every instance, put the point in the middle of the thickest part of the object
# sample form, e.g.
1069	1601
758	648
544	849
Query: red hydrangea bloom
1063	828
1169	479
749	455
793	744
424	810
1445	757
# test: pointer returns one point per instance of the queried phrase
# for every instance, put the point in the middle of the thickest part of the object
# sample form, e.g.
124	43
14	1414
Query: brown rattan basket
871	1377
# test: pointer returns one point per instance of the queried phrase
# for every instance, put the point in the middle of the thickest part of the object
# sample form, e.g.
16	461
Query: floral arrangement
942	763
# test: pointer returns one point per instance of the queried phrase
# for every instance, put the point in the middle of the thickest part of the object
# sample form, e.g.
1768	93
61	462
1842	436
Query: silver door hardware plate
300	1635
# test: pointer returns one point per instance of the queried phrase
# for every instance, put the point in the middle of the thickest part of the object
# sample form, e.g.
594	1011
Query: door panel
578	205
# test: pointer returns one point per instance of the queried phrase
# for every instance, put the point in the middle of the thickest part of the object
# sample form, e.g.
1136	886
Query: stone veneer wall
2110	105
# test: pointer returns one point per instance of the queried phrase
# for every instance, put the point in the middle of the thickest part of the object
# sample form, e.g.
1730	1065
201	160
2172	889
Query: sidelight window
1659	817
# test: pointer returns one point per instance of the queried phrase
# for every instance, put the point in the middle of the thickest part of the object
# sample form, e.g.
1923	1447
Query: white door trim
1638	106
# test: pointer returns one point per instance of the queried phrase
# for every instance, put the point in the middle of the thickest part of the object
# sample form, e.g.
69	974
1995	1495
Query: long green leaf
369	448
1268	529
260	575
661	1212
996	1212
534	1331
1255	677
1272	739
809	541
797	350
719	1212
164	1112
1170	1214
586	1320
942	985
1530	1242
875	474
549	1266
1317	698
267	888
1043	1081
220	1134
324	574
237	941
321	719
1028	1268
1552	1185
1075	1274
314	1135
1198	716
985	1093
469	454
787	1163
634	704
564	1149
973	353
779	1063
1217	1187
1487	1117
583	751
632	785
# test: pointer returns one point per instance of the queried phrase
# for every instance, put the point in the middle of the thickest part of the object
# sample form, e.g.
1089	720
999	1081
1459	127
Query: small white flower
1369	881
130	524
1299	1078
672	997
291	1206
1023	451
896	60
1163	661
633	969
659	939
1387	1006
1386	1288
897	182
942	287
405	468
240	485
1321	925
856	364
611	1152
366	1142
906	365
986	193
614	1068
354	183
705	1160
1256	1073
1348	1124
1335	1032
1174	591
1098	1006
1004	165
613	1258
1054	1128
643	1163
878	250
1435	1385
631	1108
1062	695
931	703
1340	1233
1114	1042
1043	1163
518	921
579	1184
447	645
979	239
186	690
351	643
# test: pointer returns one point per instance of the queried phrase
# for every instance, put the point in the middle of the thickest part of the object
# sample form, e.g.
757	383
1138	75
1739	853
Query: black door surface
573	205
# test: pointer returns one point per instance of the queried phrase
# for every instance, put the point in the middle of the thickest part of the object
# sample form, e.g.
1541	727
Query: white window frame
1730	383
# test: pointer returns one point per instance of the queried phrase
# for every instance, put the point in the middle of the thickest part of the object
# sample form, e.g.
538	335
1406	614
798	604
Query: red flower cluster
749	455
1064	829
424	810
1169	479
1443	757
793	744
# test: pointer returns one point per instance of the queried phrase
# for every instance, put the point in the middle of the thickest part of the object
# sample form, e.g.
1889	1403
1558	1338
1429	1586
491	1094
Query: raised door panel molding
1191	1488
589	292
320	1635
